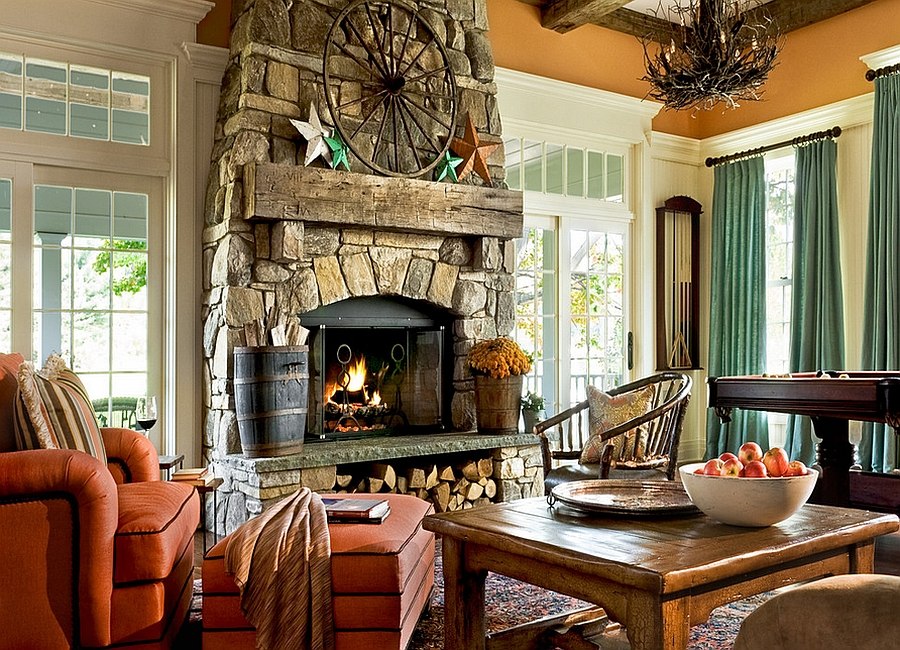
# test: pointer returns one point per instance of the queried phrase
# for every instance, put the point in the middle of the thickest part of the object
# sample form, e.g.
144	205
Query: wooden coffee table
656	576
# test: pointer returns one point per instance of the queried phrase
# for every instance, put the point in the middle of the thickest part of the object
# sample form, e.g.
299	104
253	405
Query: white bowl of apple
751	488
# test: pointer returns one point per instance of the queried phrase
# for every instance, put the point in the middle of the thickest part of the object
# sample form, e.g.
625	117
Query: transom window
46	96
564	170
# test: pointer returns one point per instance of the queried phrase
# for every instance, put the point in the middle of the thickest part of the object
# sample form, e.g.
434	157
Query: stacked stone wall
275	73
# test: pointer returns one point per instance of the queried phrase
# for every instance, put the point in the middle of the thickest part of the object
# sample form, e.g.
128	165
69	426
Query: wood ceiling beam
565	15
637	24
790	14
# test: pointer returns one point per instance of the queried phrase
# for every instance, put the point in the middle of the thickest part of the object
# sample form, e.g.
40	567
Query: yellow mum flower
498	358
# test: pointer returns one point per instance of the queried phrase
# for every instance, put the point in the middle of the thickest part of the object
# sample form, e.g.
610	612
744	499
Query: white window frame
549	111
565	216
25	177
154	39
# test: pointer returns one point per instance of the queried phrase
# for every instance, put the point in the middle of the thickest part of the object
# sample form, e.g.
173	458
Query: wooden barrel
271	386
497	404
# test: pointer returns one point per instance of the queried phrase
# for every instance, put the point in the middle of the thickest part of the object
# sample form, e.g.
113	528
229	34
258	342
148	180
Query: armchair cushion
53	410
607	411
155	521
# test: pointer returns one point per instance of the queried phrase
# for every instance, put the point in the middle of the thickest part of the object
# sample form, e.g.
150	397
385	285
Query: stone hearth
282	236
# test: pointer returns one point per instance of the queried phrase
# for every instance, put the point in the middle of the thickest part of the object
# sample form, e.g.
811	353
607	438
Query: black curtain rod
872	75
803	139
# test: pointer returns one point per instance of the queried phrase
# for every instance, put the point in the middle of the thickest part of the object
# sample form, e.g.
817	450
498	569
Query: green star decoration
447	167
338	151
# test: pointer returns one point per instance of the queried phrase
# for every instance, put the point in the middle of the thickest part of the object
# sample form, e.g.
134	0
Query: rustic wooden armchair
564	435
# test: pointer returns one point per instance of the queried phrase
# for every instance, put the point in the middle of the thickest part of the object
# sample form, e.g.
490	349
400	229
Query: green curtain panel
737	329
881	314
817	306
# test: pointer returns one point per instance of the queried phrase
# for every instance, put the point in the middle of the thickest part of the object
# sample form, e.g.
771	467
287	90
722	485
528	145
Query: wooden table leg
464	626
835	454
862	557
654	625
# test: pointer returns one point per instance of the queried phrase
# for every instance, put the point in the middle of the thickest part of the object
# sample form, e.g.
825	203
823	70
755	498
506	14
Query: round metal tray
626	497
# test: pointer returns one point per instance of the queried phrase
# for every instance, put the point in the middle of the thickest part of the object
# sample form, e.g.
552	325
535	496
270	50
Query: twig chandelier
711	54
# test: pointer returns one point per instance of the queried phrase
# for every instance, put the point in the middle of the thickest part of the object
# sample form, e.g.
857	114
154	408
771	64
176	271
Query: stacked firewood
449	487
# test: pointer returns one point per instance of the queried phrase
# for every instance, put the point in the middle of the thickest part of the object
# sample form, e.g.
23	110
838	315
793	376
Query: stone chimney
271	240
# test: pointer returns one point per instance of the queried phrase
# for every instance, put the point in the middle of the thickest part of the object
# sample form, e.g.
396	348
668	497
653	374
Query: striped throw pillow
53	410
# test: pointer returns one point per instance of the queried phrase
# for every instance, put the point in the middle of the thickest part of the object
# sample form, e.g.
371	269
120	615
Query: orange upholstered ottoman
381	579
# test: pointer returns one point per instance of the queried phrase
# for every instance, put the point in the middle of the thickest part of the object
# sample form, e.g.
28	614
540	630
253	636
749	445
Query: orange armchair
95	556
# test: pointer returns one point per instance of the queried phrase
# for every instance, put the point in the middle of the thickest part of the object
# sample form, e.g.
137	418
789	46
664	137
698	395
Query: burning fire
357	372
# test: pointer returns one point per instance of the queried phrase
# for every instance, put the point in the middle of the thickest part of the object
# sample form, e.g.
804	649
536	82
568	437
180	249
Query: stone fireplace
304	239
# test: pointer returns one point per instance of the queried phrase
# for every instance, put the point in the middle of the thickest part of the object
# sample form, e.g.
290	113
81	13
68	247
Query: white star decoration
315	136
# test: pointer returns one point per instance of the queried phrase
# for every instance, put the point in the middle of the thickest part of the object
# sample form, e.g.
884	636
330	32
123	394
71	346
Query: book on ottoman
356	511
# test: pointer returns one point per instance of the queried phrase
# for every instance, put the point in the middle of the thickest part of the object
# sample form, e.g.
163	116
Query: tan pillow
607	411
53	410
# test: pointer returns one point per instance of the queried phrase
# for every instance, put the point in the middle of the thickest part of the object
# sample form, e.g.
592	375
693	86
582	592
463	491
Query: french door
572	305
79	269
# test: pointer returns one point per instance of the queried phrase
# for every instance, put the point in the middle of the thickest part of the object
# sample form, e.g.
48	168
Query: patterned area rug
511	602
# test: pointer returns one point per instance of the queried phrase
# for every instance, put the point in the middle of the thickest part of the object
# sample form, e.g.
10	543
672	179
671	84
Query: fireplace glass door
376	368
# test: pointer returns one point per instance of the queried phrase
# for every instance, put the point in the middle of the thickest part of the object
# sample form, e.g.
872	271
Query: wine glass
145	412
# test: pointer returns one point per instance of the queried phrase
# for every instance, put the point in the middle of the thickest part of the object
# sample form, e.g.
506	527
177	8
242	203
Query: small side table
203	490
168	463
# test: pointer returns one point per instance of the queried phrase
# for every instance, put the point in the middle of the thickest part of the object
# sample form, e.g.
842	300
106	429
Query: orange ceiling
818	65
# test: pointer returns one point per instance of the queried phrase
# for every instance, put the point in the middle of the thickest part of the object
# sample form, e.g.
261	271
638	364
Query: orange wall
589	56
818	65
215	28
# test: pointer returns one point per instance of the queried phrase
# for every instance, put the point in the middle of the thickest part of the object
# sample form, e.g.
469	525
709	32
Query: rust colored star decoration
473	152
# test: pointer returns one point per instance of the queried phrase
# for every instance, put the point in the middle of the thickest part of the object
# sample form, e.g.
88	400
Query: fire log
440	496
415	478
386	474
470	470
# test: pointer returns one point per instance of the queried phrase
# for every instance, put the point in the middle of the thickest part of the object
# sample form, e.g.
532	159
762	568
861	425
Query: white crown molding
882	58
529	98
188	10
208	61
675	148
846	113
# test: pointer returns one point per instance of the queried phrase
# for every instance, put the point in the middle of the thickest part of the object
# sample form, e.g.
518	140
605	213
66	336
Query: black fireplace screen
377	367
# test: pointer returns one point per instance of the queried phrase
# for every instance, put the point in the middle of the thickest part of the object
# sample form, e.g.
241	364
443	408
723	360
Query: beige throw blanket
281	562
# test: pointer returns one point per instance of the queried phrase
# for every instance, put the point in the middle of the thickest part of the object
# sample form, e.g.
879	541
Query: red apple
713	467
755	469
732	467
749	451
796	468
776	461
726	456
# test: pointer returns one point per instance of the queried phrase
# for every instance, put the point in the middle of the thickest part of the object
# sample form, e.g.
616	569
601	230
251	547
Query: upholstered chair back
9	366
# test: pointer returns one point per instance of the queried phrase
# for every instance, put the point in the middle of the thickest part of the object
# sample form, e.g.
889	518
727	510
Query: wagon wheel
389	87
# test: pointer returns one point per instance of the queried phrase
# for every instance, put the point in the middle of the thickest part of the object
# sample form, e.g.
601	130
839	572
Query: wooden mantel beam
566	15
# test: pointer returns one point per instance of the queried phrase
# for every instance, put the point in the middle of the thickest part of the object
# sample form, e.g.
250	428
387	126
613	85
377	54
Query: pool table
830	399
